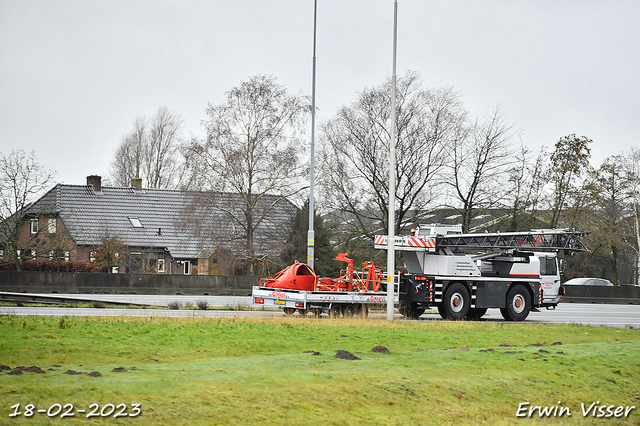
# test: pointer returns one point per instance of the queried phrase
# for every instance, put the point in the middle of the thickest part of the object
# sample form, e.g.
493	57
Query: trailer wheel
303	312
456	302
476	313
289	311
350	311
518	304
362	310
335	311
316	312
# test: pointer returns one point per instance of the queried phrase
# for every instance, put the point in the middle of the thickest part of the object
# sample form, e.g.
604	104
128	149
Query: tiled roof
182	222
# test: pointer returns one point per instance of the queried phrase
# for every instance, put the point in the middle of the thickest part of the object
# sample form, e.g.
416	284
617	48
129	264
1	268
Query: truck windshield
548	266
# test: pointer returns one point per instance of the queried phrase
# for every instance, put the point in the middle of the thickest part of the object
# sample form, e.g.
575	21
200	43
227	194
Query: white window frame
33	226
187	267
160	266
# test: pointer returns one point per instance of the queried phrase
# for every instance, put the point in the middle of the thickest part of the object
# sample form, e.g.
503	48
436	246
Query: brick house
164	231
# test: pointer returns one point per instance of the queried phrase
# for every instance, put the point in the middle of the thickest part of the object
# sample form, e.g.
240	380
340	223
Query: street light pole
311	234
391	265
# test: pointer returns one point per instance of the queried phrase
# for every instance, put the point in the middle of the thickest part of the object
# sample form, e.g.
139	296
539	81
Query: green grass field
285	371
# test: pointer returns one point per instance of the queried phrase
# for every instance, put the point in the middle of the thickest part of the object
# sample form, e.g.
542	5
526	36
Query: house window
187	267
160	266
51	226
1	254
135	222
29	254
60	255
34	226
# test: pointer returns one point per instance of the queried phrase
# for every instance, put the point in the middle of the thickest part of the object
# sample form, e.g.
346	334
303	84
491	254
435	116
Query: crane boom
540	239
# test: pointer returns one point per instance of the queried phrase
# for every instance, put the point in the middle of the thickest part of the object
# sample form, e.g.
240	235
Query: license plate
280	302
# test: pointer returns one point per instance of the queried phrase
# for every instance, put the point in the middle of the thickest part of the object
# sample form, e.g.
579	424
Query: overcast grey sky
74	74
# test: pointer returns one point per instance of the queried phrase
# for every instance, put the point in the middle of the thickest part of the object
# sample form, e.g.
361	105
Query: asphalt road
621	316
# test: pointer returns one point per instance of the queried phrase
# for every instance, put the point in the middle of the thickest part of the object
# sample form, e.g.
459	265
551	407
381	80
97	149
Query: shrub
174	305
7	266
46	265
202	304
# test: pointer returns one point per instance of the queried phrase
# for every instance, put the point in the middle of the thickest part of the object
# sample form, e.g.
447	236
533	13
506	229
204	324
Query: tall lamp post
391	254
310	234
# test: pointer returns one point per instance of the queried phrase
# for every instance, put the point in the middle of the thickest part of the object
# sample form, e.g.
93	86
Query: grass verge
285	370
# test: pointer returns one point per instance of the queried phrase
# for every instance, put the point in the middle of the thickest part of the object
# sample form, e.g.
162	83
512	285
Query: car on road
589	281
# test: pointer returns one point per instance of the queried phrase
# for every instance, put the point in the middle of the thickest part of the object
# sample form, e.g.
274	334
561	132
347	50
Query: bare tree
161	166
355	152
480	159
150	151
127	162
22	179
253	150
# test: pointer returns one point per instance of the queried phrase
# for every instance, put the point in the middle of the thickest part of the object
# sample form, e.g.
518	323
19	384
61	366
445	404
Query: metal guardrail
56	300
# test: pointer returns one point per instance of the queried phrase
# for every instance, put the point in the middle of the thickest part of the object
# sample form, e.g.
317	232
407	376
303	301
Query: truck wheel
476	313
456	302
289	311
518	304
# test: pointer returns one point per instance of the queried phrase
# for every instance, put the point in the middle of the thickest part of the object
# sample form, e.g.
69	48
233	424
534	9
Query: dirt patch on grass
340	354
119	370
72	372
381	350
22	369
94	374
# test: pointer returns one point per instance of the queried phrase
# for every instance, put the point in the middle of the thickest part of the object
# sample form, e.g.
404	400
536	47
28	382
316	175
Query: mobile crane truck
462	275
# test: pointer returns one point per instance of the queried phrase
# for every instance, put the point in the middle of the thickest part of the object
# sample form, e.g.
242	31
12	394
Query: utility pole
310	234
391	254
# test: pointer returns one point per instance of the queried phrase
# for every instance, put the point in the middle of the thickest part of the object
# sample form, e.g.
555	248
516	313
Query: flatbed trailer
333	303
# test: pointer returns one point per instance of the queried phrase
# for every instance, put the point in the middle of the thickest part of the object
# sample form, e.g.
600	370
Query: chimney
136	183
95	181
